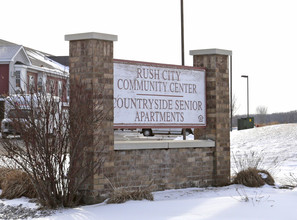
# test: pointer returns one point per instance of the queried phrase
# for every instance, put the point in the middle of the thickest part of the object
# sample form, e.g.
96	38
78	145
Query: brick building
23	69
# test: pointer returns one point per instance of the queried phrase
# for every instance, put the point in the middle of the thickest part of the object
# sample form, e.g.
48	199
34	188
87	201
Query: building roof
37	58
6	43
7	53
41	59
61	59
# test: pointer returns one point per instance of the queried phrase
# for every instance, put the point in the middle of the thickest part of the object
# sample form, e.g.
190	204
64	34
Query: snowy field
232	202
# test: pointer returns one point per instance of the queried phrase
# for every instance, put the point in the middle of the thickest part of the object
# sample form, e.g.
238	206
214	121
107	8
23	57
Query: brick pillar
216	62
91	60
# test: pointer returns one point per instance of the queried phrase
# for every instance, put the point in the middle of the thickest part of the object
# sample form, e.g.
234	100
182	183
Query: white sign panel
156	95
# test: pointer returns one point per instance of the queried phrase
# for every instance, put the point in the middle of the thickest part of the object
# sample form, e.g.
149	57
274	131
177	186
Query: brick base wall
167	169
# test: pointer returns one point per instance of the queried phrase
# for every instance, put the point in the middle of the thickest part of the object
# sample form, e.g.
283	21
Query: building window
67	90
32	84
39	84
17	78
60	89
52	86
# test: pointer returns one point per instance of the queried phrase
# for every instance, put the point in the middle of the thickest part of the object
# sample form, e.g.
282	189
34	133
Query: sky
261	34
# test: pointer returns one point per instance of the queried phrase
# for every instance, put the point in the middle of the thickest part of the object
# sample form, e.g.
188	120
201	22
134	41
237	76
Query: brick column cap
211	52
91	35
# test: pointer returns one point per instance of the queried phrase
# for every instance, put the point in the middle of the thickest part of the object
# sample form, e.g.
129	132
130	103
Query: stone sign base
166	165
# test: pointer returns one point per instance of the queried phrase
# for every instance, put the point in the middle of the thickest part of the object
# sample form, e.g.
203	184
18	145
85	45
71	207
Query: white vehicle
27	104
6	124
178	131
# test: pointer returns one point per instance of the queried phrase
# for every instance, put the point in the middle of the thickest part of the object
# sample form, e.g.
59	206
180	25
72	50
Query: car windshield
18	113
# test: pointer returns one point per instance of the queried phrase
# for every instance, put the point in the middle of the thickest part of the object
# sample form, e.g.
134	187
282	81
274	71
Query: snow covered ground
276	142
231	202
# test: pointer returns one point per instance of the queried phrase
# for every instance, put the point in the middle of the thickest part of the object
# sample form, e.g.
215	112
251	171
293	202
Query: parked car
27	104
153	131
6	124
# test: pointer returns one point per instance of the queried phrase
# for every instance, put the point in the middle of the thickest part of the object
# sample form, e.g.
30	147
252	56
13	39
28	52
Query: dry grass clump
253	177
267	124
15	184
121	195
3	172
253	169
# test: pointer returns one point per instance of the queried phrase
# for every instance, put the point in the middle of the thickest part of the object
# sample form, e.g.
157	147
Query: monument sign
158	95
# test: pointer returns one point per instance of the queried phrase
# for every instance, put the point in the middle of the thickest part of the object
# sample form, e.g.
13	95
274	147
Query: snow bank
274	142
222	203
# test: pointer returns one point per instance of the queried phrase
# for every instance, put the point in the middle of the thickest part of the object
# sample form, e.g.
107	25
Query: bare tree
55	142
261	112
234	105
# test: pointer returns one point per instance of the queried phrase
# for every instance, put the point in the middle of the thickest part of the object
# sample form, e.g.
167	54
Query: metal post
231	98
247	77
182	31
248	96
182	46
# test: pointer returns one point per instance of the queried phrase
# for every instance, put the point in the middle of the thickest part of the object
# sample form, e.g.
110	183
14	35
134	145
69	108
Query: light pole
182	32
231	106
247	77
182	46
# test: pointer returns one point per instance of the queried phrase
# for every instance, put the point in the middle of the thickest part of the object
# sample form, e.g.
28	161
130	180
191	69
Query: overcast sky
261	33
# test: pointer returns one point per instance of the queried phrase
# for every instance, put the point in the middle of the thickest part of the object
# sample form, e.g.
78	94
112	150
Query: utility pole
231	98
247	77
182	46
182	32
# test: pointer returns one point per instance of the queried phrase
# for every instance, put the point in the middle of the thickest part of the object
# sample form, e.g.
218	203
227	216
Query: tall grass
252	169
